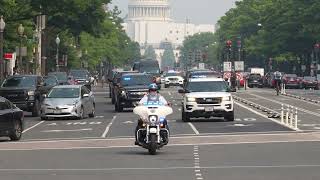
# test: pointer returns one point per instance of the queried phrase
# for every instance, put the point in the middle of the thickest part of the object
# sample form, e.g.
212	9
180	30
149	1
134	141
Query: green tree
150	53
168	59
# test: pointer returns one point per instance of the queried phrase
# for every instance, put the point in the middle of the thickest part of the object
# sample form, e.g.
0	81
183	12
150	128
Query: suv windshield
172	74
136	80
255	76
23	81
207	86
64	93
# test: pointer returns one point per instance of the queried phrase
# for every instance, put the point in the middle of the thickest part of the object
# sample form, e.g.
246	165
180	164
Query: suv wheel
36	109
16	132
166	86
185	116
229	116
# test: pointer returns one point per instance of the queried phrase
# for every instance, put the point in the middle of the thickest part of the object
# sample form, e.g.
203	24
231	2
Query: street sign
8	56
201	66
239	65
227	66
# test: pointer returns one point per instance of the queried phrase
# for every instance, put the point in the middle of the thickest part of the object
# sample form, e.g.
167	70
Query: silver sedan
68	101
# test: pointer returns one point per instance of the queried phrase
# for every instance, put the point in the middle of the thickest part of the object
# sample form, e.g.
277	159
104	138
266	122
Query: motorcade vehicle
50	82
25	91
68	101
309	82
291	81
82	77
149	66
115	80
61	76
207	97
255	80
154	133
173	79
201	74
130	89
11	120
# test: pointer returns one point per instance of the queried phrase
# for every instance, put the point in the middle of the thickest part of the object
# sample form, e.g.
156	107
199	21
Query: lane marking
193	128
278	102
26	130
68	130
168	168
266	117
104	135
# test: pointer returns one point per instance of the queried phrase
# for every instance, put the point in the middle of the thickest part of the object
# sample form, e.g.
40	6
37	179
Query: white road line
33	126
68	130
167	168
262	115
278	102
108	127
193	128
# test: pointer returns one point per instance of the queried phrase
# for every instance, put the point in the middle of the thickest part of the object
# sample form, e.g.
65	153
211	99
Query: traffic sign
8	56
227	66
239	65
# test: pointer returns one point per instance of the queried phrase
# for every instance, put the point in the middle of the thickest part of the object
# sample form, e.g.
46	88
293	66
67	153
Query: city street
252	147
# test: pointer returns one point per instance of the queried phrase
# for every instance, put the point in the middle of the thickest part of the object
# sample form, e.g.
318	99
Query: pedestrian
102	80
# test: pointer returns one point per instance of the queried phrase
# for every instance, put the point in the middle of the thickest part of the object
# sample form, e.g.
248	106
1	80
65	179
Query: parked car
130	90
11	120
61	76
309	82
75	101
25	91
291	81
255	80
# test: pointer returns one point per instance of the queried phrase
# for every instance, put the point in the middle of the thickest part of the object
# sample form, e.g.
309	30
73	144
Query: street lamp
2	26
20	33
57	55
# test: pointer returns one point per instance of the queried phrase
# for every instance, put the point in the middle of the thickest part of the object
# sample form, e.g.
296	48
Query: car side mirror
85	95
181	91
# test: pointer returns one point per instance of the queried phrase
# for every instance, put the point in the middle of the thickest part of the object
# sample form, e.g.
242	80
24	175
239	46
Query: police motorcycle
153	134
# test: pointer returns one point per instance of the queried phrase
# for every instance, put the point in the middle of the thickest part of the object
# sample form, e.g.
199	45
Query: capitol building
149	22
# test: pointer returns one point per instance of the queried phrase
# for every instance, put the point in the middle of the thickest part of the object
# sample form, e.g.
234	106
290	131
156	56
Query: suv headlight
226	98
30	93
191	99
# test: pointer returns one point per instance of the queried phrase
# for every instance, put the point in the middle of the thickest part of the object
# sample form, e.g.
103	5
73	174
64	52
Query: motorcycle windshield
145	111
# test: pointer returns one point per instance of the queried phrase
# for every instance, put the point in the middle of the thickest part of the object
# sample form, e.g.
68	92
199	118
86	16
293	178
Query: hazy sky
198	11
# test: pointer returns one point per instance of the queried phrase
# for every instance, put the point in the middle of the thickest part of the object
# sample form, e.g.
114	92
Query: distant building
149	23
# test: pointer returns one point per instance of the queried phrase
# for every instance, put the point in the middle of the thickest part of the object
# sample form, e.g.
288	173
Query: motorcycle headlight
123	93
191	99
226	98
153	119
30	93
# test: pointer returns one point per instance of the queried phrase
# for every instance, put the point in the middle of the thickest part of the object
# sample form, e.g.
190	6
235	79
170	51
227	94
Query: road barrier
289	116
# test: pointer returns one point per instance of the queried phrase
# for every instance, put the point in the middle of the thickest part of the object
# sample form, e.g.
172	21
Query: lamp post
57	55
20	33
2	26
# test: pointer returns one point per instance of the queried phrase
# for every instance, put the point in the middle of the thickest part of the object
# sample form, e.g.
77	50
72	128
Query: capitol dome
149	10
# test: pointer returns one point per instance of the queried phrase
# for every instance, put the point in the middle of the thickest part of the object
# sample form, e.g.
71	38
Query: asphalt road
252	147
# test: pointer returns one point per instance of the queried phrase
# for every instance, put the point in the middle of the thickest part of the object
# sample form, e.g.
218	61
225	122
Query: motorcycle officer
152	96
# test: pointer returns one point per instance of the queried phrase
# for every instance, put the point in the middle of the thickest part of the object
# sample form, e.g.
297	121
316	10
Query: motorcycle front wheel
153	144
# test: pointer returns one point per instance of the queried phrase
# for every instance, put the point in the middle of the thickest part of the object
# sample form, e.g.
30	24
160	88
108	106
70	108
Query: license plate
57	111
208	109
153	130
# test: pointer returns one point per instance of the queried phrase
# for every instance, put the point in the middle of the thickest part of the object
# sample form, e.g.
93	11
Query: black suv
130	90
82	76
255	80
25	91
115	80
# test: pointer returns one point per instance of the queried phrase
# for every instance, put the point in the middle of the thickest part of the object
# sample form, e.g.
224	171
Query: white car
207	97
173	79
